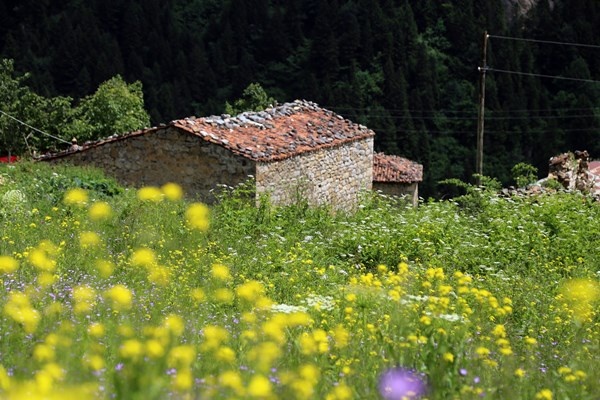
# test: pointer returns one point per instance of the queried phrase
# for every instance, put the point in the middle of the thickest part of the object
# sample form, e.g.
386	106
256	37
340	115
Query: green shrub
524	174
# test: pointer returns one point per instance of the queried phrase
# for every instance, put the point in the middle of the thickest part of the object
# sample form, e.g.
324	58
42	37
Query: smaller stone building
397	176
295	150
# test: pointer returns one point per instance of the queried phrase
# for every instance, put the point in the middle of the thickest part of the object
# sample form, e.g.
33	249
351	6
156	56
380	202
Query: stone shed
295	150
397	176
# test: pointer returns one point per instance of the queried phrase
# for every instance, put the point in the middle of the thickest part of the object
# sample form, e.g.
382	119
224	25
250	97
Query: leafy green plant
524	174
475	197
254	98
553	184
129	295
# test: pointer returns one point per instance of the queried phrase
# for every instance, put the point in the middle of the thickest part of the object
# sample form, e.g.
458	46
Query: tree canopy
30	122
406	69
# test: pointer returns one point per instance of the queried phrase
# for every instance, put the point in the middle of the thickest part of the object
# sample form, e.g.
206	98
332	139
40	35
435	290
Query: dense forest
407	69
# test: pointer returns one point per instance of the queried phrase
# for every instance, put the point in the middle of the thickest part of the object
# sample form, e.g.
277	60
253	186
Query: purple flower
463	372
400	383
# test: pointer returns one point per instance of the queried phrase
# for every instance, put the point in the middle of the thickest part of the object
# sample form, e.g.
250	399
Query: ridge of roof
274	134
389	168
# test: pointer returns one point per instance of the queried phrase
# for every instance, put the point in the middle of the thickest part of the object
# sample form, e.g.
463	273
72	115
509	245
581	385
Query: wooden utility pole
480	117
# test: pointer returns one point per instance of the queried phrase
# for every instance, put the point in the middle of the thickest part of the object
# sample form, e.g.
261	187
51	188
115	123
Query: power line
488	131
593	46
35	129
444	111
539	75
474	118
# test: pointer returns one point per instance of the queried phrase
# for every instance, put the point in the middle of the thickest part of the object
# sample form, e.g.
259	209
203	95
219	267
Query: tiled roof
388	168
594	172
274	134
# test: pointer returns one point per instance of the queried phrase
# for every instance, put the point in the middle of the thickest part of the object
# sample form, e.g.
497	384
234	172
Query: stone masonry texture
167	155
334	176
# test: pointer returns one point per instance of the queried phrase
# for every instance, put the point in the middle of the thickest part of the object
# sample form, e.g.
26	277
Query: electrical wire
35	129
444	111
593	46
473	131
539	75
474	118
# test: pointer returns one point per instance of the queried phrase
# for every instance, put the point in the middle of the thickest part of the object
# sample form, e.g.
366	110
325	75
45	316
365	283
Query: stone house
397	176
295	150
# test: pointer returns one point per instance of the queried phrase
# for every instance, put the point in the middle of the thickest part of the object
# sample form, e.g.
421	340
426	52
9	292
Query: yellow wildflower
96	329
482	351
544	394
175	324
121	297
259	386
172	191
150	193
351	297
580	374
154	349
84	297
310	373
40	259
213	336
341	336
43	352
198	295
274	328
75	196
197	216
20	310
232	380
340	392
131	348
220	272
223	295
5	382
183	380
143	257
46	279
581	295
105	268
506	351
95	362
225	354
530	341
99	211
250	291
564	370
264	354
8	264
181	356
499	331
159	275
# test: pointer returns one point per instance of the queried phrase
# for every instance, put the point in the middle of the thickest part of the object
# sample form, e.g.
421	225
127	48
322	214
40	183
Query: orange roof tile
274	134
388	168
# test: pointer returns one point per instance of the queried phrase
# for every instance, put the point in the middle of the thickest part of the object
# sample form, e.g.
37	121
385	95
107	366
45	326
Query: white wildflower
287	308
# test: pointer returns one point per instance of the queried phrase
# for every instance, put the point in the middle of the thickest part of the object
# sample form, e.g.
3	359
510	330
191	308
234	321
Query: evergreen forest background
406	69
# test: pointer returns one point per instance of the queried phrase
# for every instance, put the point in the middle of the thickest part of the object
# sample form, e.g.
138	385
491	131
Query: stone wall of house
334	176
410	190
167	155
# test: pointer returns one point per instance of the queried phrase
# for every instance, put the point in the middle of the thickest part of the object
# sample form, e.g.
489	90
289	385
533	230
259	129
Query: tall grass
109	291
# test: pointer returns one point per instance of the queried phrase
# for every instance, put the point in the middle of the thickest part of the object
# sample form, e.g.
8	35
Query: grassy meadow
110	292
